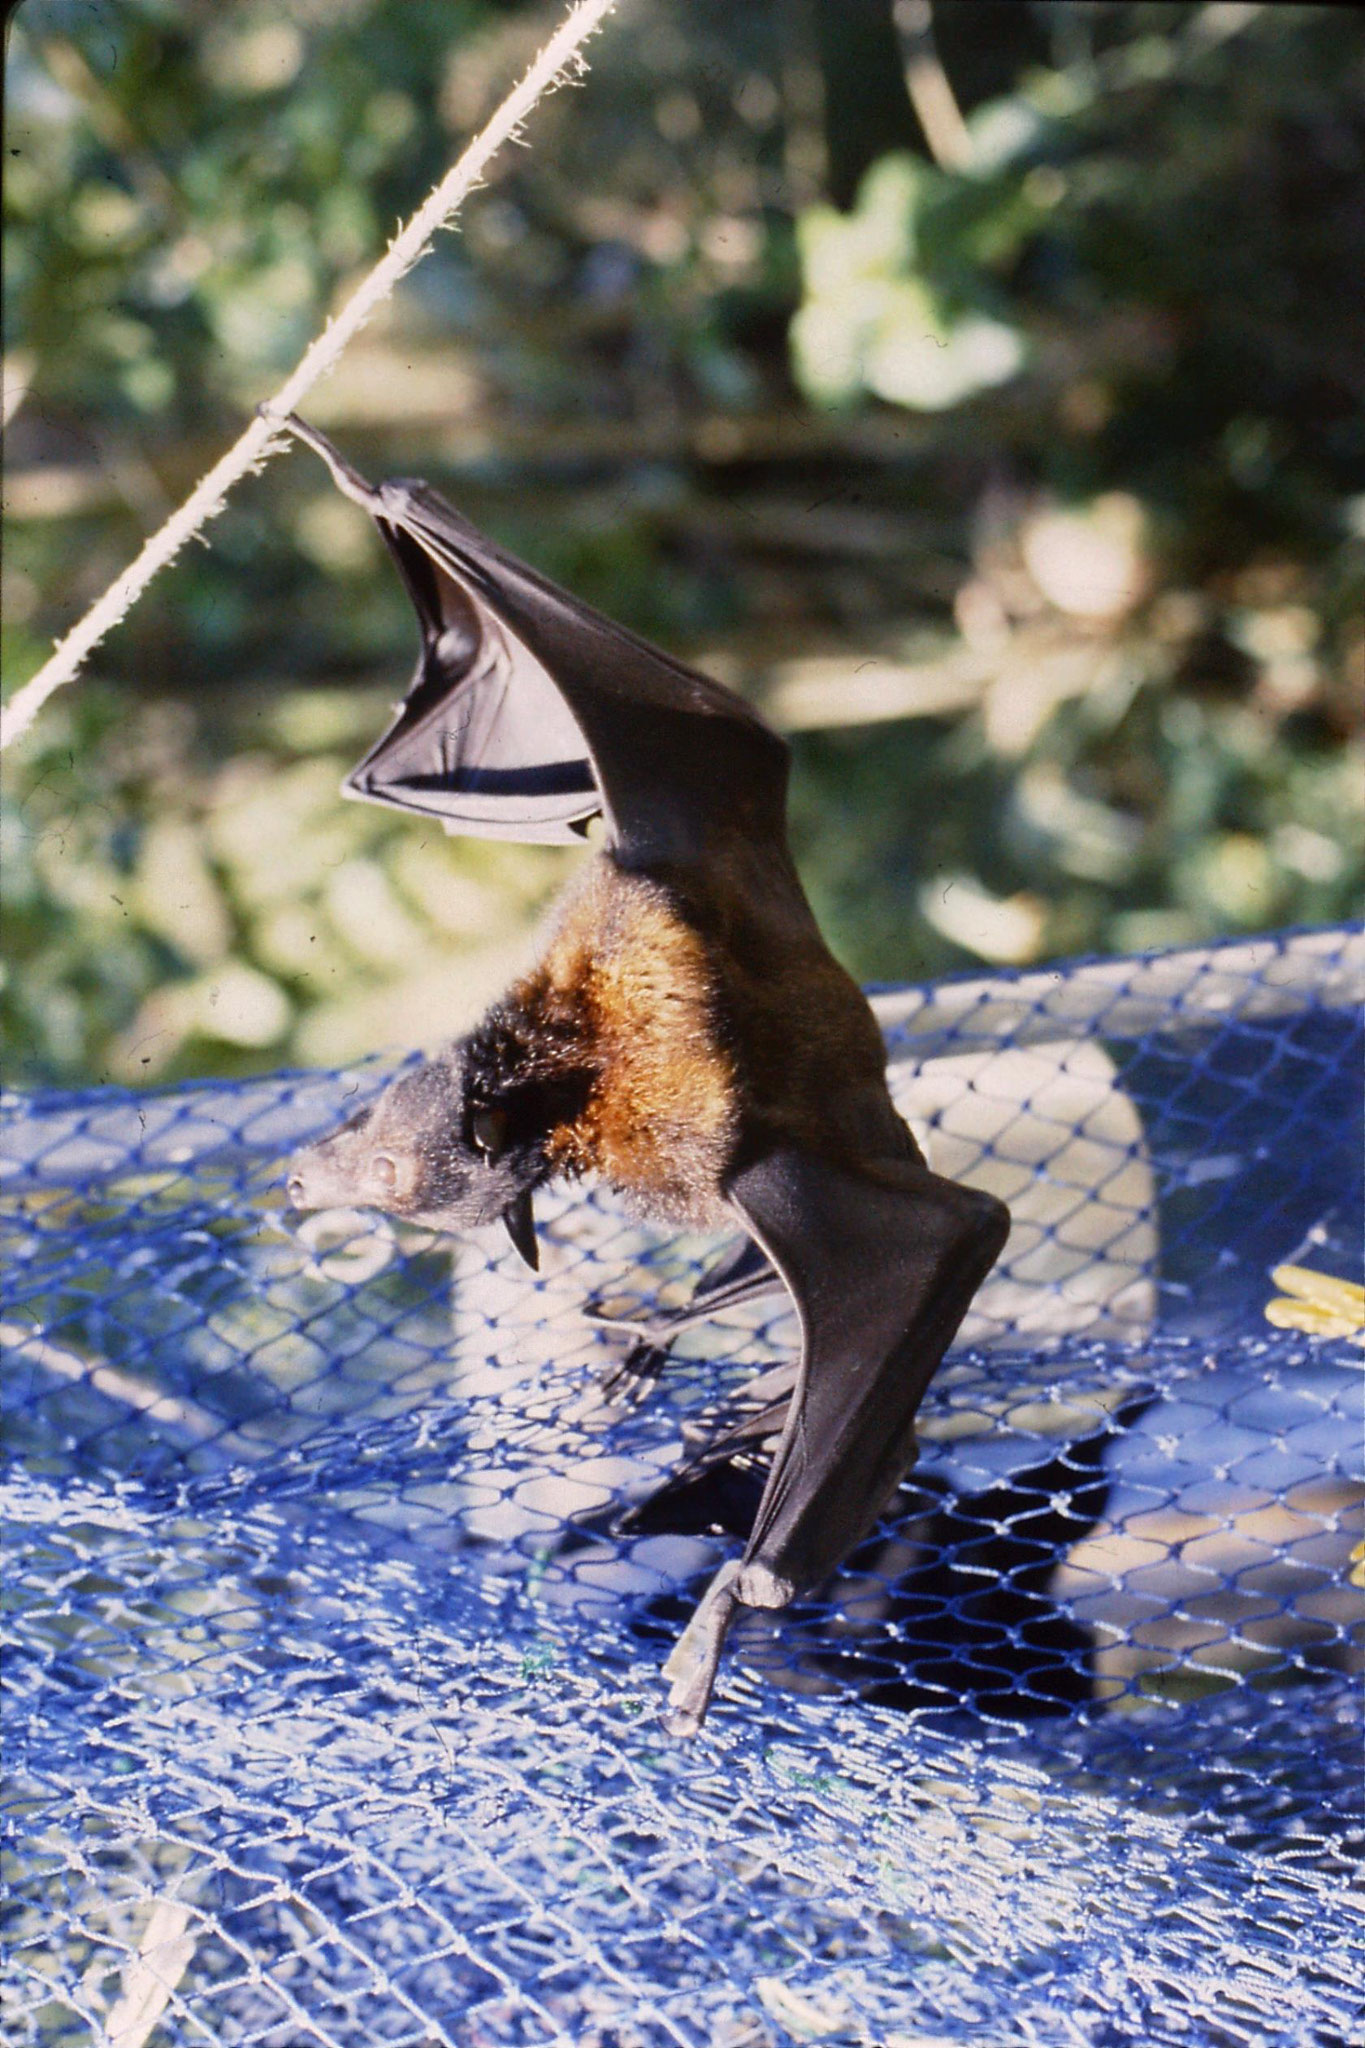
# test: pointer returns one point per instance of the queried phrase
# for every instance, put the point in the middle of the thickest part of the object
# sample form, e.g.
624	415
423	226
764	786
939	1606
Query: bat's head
426	1151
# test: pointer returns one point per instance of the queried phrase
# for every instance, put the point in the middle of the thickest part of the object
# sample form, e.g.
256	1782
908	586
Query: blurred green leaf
1078	425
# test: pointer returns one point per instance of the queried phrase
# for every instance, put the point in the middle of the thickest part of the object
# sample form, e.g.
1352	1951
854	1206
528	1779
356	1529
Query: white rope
255	445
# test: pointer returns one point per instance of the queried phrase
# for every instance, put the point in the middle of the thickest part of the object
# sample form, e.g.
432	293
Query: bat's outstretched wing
882	1264
529	712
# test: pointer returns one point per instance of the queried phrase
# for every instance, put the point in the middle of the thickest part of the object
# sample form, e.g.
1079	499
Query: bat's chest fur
624	1002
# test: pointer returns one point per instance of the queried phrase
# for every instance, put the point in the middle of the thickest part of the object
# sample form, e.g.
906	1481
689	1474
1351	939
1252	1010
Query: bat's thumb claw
694	1659
347	480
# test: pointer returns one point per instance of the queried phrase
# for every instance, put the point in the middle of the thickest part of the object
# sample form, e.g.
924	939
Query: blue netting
333	1696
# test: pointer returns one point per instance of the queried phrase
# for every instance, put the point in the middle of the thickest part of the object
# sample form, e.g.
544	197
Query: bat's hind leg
738	1276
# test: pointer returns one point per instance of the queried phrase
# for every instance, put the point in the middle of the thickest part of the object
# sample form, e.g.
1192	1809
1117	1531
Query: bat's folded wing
484	740
882	1264
530	712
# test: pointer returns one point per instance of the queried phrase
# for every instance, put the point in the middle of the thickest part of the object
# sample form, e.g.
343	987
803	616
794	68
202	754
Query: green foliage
1152	819
188	897
879	315
1153	253
290	145
1080	422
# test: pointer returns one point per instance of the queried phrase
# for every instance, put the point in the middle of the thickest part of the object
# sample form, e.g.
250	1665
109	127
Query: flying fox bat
686	1035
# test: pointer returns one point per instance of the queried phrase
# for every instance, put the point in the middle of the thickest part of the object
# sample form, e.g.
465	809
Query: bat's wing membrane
882	1264
483	741
529	712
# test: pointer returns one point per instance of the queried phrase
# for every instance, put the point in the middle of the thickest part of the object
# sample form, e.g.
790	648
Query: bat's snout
336	1172
301	1185
317	1178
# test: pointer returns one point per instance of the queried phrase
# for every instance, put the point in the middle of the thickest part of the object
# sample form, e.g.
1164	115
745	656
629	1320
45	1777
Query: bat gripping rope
563	52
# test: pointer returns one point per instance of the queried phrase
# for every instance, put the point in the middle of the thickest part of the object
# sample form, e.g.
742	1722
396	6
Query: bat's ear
521	1228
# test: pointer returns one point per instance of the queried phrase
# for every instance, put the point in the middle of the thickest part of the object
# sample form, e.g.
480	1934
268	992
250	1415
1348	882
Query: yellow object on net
1317	1304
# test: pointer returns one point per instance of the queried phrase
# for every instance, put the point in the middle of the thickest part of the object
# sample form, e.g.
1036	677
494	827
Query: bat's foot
631	1379
695	1657
739	1277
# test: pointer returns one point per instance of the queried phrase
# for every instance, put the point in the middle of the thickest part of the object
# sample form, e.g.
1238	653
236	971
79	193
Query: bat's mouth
515	1215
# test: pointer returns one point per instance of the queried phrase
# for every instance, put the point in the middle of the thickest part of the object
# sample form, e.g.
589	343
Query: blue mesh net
334	1680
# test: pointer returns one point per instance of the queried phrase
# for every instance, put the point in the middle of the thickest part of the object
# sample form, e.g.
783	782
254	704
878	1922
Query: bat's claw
630	1379
348	481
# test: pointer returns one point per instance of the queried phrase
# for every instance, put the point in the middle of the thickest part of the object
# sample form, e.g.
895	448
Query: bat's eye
488	1130
385	1172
